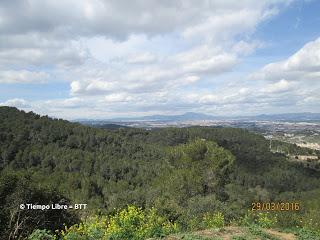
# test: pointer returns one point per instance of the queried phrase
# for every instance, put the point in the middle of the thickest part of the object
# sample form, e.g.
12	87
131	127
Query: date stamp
275	206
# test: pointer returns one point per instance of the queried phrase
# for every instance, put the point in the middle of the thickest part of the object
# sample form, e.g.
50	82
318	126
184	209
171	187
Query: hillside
185	174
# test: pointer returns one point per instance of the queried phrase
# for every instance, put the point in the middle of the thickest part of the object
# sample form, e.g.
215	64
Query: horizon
161	115
76	60
196	113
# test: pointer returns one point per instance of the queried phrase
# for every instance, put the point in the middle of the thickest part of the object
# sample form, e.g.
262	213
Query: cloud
68	103
281	86
16	102
215	64
97	17
23	76
118	97
34	49
173	72
236	99
142	58
304	65
246	48
227	24
149	57
292	82
48	32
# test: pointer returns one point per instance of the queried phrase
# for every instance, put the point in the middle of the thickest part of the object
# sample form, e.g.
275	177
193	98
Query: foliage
183	172
134	223
41	235
266	220
307	234
93	228
215	220
130	223
17	222
247	220
261	219
257	231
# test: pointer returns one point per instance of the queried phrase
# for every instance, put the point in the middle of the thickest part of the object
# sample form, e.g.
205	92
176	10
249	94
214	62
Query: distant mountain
191	116
306	116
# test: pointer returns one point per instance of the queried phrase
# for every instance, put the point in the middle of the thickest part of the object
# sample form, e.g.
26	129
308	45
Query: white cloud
23	76
118	97
40	50
68	103
293	82
281	86
141	58
191	79
173	72
119	19
246	48
16	102
304	65
225	25
60	33
216	64
151	56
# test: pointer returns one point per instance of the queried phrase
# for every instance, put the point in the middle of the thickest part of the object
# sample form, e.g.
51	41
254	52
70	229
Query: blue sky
104	59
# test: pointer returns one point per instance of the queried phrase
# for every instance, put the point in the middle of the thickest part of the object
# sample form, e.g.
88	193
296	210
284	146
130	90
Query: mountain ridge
193	116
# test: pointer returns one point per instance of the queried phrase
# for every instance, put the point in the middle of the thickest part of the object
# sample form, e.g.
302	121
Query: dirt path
226	233
230	232
281	235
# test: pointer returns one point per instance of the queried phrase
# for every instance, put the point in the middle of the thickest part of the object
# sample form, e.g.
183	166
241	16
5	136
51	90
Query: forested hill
182	172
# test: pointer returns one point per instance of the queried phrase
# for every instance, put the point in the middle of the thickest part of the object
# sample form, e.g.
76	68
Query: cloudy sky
112	58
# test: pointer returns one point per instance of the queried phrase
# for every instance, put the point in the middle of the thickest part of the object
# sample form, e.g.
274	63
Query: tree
16	220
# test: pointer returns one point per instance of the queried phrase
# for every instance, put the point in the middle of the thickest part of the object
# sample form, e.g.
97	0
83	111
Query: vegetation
183	179
16	222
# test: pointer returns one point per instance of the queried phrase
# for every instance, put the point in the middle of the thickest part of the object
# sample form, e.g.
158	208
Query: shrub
262	219
92	229
307	234
41	235
133	223
289	219
248	219
194	223
266	220
215	220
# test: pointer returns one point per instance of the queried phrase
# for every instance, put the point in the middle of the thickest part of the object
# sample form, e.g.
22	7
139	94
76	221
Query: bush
266	220
215	220
94	228
289	219
41	235
18	188
131	223
261	219
247	220
307	234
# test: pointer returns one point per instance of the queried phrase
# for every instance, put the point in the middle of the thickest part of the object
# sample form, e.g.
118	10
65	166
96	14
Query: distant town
302	129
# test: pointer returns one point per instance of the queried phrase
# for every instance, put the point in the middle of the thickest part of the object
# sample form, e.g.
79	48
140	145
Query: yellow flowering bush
266	220
135	224
261	219
92	229
131	223
215	220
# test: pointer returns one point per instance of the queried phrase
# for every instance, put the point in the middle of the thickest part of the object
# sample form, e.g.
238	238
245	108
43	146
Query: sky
103	59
